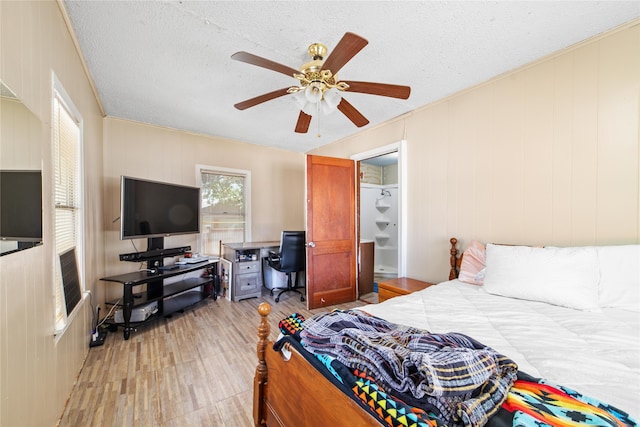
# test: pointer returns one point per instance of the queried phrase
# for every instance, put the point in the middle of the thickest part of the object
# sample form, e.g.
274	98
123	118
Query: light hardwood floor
194	369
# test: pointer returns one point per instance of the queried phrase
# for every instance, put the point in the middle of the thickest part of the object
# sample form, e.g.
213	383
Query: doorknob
312	245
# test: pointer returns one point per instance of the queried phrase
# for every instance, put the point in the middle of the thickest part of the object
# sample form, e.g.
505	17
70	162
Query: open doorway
379	212
382	213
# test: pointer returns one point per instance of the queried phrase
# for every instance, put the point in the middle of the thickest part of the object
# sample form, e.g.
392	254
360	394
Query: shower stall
379	222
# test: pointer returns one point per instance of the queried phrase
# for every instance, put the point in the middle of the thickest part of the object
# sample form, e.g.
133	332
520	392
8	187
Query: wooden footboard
260	377
293	393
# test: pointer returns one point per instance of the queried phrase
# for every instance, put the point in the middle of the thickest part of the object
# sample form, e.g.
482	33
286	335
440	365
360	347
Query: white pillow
566	277
619	276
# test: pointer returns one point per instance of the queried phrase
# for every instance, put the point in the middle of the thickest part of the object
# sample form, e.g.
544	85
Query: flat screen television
150	209
21	205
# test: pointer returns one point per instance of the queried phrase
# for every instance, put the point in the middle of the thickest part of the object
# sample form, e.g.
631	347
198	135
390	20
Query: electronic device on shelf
191	260
155	253
157	209
138	314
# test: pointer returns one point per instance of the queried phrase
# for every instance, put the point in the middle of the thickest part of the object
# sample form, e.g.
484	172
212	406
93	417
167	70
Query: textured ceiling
169	62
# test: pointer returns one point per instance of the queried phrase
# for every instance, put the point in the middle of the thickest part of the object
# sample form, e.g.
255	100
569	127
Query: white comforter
595	353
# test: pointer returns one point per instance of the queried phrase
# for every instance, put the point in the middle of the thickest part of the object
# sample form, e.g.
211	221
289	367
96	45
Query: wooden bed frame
283	389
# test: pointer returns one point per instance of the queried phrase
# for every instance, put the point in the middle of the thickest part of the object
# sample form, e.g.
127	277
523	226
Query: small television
150	209
21	205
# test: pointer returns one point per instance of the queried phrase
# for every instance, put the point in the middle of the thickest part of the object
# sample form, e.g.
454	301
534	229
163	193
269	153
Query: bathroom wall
379	215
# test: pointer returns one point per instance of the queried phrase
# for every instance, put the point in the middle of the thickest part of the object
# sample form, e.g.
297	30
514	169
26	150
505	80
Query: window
225	208
67	197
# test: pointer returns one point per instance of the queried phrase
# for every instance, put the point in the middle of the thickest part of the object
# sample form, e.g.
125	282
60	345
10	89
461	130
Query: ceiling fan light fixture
300	99
314	92
332	98
311	109
327	109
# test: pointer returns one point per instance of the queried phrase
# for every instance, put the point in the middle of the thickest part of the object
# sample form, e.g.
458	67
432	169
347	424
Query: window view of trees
223	210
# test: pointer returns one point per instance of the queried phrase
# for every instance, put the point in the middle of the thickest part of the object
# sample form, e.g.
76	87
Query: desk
246	271
171	297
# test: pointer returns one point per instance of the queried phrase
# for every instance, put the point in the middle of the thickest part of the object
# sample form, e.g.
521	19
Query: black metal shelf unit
171	297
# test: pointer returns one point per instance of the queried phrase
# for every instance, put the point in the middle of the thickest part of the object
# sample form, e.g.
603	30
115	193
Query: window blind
67	203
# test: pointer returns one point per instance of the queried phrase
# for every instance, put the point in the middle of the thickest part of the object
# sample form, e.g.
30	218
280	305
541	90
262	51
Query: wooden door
331	231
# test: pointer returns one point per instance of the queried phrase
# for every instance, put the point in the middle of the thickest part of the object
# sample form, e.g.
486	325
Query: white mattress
595	353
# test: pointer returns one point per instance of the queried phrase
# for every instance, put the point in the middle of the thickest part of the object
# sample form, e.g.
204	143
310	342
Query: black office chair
292	258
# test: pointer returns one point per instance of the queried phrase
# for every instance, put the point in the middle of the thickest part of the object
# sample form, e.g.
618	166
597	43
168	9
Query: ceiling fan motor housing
317	51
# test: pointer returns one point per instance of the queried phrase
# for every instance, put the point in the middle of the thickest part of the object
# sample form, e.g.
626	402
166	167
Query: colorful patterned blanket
432	396
452	374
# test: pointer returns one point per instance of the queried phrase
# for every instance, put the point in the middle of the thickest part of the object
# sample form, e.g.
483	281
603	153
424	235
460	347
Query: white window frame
247	194
61	319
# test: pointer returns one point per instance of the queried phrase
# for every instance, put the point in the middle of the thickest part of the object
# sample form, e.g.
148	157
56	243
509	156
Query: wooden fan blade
352	114
303	122
252	59
382	89
348	46
260	99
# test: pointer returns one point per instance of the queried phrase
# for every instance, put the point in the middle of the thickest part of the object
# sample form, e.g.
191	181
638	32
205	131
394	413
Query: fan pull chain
318	116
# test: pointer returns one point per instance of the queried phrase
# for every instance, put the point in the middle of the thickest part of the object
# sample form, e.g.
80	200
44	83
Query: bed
581	336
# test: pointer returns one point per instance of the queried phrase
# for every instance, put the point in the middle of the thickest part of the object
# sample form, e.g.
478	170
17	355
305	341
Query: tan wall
37	373
547	154
161	154
21	136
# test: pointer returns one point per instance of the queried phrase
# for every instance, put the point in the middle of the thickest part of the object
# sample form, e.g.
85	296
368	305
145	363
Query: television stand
171	297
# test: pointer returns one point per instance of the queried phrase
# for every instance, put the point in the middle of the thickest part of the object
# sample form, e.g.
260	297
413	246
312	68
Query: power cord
94	320
109	313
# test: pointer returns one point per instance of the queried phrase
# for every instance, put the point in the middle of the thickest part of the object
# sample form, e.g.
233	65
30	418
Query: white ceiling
169	62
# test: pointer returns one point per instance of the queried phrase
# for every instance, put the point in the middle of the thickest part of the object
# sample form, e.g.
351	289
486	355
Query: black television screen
21	205
157	209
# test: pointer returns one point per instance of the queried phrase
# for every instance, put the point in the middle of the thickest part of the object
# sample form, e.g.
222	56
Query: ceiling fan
319	88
